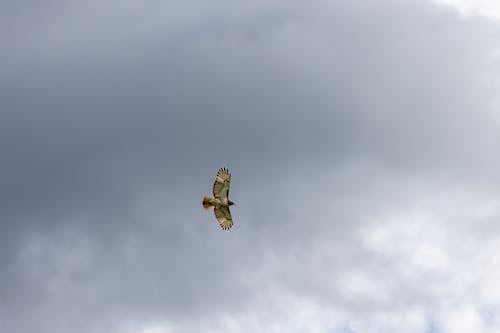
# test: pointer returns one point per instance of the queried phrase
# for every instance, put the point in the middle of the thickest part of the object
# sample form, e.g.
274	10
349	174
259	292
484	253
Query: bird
220	201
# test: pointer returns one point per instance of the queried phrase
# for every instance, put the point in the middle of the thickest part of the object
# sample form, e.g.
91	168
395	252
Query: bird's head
230	203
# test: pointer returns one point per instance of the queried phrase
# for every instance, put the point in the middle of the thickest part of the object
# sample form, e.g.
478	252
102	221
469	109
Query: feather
207	203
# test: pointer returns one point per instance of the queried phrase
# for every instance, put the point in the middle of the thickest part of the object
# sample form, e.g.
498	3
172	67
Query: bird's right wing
221	184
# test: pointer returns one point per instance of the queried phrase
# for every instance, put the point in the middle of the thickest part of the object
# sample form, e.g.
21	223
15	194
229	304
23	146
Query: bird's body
214	202
221	201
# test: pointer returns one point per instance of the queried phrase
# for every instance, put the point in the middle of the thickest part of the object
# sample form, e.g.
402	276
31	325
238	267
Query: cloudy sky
363	138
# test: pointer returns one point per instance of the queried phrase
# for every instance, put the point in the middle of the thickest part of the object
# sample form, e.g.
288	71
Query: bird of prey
220	201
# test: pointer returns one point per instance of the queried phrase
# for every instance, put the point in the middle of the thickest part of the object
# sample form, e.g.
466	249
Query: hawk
220	201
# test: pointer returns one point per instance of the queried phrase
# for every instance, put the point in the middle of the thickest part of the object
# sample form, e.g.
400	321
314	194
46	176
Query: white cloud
444	248
487	8
365	171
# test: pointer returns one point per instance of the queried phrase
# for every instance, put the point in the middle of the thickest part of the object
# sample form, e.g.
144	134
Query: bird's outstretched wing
221	184
223	215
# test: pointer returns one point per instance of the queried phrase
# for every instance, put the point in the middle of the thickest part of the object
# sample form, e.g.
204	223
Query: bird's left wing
223	215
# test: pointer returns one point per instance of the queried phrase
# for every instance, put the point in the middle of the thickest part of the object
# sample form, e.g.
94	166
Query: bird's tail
206	203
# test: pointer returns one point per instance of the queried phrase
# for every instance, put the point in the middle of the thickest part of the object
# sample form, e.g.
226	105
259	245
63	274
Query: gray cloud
345	126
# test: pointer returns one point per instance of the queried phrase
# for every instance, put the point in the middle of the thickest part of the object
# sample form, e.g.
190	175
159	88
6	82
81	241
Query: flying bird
220	201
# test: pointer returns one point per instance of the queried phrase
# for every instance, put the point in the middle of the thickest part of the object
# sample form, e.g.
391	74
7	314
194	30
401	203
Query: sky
486	8
362	138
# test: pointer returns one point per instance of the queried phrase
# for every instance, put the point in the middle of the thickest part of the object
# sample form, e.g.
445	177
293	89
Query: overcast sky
362	136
